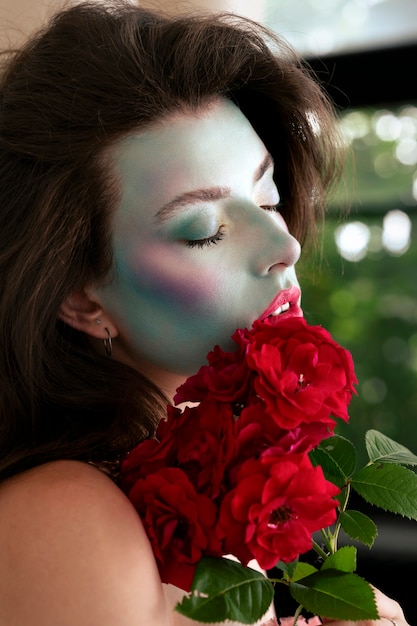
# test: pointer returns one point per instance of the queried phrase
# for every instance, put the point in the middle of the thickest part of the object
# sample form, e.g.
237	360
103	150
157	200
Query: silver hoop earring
108	343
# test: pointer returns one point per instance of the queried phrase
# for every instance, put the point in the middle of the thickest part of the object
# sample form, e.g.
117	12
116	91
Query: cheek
174	281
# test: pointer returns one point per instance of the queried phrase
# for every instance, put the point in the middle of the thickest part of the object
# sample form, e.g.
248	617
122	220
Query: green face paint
200	248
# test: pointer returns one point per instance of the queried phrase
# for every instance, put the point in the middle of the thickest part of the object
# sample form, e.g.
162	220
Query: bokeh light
352	240
396	232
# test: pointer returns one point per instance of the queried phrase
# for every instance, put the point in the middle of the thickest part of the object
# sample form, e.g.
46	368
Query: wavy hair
95	73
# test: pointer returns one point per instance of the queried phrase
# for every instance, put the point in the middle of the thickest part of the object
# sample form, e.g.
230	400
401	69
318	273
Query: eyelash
209	241
275	208
212	241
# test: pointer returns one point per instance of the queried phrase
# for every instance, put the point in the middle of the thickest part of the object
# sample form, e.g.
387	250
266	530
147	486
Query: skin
76	561
68	559
190	269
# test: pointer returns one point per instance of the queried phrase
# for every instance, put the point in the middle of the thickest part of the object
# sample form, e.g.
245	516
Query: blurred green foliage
370	305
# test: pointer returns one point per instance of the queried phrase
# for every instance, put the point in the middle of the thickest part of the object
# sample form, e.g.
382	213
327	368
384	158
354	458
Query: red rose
152	454
225	379
303	375
198	440
232	475
206	446
274	509
178	521
257	434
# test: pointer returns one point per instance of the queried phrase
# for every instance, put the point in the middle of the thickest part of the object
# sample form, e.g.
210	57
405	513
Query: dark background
371	77
370	306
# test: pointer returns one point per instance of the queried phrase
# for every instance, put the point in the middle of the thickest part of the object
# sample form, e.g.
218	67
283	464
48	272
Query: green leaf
297	569
390	487
382	448
359	526
343	559
337	457
302	570
223	589
287	568
334	594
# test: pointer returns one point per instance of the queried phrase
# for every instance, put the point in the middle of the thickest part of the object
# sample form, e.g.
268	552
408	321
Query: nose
278	249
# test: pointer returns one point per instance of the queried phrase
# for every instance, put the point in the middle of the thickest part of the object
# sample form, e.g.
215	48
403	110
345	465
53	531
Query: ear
81	311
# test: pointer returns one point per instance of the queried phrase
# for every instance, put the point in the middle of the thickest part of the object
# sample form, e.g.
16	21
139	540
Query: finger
389	610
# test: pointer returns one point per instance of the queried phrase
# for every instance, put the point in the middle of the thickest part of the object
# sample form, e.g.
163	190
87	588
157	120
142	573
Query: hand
390	611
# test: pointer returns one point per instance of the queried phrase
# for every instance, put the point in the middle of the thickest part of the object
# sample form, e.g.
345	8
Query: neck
168	382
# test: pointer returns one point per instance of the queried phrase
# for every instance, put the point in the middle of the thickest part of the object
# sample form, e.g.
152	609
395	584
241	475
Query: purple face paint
199	246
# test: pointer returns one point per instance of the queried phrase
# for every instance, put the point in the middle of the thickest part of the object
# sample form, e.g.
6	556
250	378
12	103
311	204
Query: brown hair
92	75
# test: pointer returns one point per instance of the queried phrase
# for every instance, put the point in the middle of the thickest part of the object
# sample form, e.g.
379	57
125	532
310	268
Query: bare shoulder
74	551
58	482
63	496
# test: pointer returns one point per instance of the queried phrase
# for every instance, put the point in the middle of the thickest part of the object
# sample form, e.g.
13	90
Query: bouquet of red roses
236	473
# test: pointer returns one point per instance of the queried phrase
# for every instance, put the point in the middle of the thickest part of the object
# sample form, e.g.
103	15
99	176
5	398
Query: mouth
285	305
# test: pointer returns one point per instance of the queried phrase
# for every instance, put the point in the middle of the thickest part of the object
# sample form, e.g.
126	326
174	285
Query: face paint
199	249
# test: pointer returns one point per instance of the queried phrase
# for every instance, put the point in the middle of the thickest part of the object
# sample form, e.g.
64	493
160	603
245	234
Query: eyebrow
210	194
190	197
266	164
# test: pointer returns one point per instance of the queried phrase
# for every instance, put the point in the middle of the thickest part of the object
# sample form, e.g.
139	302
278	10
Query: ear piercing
108	343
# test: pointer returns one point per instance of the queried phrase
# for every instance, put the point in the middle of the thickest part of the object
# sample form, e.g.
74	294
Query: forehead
186	150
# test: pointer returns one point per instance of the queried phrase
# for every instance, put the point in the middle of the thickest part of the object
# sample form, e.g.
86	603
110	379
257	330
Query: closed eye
275	208
207	241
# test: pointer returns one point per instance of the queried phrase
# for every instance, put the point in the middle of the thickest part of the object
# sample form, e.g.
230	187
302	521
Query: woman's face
199	247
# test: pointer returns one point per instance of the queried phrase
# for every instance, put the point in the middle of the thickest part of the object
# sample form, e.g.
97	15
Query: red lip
292	296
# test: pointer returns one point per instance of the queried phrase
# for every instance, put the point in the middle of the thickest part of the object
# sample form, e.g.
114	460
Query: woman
156	178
